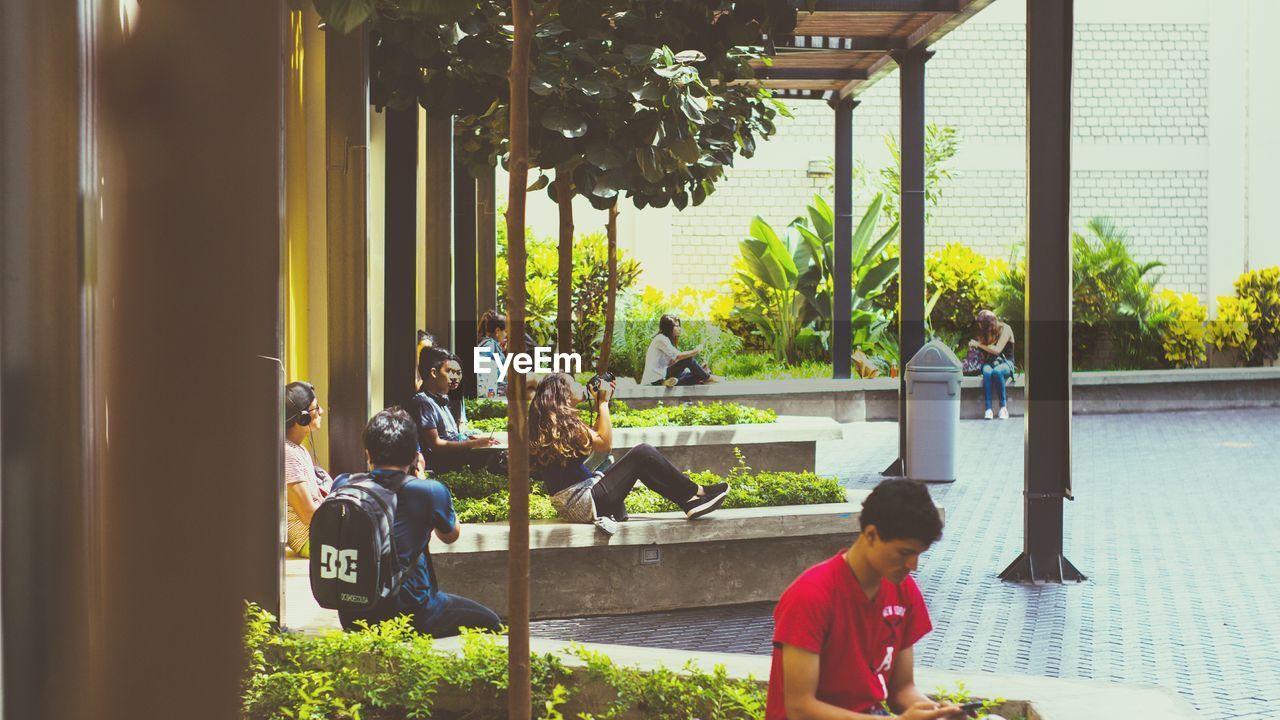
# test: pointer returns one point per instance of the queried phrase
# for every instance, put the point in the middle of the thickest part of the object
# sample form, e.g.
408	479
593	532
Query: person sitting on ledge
996	345
665	365
443	446
306	485
492	341
845	629
457	398
423	507
559	444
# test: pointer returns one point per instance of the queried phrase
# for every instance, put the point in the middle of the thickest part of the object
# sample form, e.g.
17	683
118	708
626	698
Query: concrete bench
659	561
788	444
1118	391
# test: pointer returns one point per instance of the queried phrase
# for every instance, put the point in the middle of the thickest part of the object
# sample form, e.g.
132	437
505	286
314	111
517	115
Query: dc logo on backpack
354	563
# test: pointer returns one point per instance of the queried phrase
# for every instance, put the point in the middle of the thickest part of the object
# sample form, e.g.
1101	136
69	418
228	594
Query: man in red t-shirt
844	630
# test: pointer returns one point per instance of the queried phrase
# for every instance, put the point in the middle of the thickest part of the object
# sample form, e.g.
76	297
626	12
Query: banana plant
816	253
767	268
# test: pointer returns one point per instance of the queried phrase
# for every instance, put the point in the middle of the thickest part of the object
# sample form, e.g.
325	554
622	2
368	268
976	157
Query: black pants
455	613
644	463
688	371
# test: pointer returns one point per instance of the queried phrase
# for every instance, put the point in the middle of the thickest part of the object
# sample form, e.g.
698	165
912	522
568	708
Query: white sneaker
670	382
988	415
1004	413
607	525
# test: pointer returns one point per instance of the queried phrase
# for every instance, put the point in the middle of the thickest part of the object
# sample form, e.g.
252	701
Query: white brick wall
1135	86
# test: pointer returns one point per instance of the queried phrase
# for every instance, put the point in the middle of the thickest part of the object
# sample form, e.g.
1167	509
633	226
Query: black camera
593	385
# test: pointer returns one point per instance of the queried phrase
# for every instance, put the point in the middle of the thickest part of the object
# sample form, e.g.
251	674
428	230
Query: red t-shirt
826	612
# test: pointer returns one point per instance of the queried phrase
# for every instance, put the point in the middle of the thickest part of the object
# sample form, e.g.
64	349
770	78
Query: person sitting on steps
665	365
443	446
559	443
306	483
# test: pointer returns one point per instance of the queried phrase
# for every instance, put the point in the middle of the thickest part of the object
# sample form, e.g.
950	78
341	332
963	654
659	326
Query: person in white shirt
665	364
306	483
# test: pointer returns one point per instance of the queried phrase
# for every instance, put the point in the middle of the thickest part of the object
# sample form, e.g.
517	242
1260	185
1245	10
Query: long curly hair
556	433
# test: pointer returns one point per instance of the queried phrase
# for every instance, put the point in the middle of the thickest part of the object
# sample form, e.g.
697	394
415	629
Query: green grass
622	416
764	367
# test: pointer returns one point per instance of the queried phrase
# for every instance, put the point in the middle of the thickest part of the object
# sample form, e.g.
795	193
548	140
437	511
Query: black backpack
354	562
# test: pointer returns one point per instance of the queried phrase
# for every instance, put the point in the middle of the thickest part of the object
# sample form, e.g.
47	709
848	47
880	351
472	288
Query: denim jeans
456	612
995	375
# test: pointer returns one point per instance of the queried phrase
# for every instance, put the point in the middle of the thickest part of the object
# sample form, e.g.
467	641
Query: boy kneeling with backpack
369	554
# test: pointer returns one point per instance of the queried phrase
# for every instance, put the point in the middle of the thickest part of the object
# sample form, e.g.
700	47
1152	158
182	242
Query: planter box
789	444
1101	392
661	561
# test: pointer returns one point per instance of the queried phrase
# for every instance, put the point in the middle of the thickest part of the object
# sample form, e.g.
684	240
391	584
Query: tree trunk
611	292
564	275
520	702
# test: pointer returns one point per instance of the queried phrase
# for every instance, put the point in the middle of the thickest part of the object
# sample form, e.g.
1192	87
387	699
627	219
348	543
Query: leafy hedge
389	671
481	496
622	416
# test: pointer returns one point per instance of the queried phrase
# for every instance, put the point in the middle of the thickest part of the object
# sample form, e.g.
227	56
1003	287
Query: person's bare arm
903	692
450	537
602	433
429	438
302	502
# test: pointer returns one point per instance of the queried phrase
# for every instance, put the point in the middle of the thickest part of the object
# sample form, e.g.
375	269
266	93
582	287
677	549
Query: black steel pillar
842	256
400	254
1047	467
911	271
464	271
347	129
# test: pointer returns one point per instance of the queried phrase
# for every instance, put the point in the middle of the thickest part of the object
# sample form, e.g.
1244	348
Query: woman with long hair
491	338
306	485
995	340
559	444
665	364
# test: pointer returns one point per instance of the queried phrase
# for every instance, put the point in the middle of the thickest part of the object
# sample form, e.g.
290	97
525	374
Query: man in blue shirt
444	447
422	507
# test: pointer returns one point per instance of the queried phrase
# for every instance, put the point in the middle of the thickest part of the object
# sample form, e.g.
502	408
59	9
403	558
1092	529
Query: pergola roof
845	46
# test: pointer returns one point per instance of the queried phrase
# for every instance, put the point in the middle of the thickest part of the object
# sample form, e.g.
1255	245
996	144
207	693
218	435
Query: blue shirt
430	411
421	506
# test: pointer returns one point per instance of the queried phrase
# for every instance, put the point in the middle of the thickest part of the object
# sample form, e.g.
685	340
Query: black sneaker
714	496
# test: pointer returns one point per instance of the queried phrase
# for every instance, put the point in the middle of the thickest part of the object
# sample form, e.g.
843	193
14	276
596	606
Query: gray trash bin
933	413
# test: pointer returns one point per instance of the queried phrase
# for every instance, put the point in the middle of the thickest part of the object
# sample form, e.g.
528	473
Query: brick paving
1177	525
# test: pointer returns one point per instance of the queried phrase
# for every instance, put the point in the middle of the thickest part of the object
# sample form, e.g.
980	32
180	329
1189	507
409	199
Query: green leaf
345	15
538	184
876	277
822	217
862	236
690	56
639	54
686	150
569	123
693	108
646	157
540	86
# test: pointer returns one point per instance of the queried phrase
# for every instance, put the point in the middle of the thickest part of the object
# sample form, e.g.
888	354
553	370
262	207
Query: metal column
911	271
842	255
1048	326
347	131
400	275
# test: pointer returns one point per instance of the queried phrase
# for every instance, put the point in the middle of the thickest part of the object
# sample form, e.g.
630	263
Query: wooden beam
881	6
801	73
849	43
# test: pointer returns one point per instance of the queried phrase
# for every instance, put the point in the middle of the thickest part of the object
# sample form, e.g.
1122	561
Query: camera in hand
593	385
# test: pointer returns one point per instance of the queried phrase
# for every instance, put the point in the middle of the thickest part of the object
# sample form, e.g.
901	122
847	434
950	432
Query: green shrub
1230	329
701	312
1183	334
762	366
963	282
748	489
389	671
590	280
622	416
1262	287
486	408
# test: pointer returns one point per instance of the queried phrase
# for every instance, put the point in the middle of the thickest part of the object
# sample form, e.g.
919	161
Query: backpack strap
395	484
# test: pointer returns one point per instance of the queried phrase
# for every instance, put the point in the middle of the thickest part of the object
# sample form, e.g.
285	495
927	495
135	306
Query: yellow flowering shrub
1230	330
1183	334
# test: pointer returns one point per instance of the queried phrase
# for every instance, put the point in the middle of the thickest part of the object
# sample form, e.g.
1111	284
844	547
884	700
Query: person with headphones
306	485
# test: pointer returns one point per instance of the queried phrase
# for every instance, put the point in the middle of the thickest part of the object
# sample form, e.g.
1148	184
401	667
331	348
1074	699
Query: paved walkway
1177	525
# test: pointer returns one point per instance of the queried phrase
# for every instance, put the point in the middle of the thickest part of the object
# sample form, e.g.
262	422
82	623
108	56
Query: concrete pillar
47	483
347	132
842	251
1228	151
1048	329
464	272
189	300
438	274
